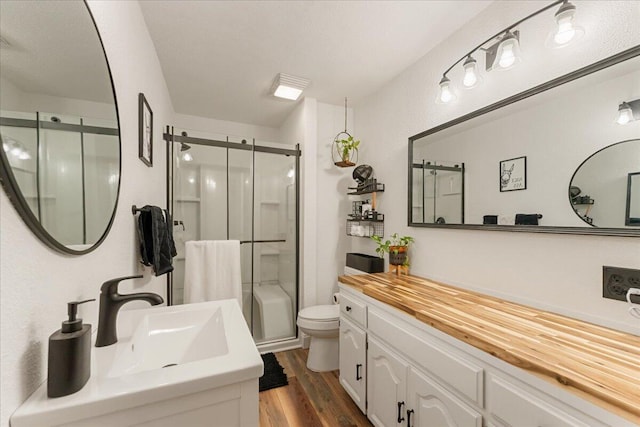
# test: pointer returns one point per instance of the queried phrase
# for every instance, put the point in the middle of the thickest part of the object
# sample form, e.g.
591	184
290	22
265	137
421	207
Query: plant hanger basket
337	154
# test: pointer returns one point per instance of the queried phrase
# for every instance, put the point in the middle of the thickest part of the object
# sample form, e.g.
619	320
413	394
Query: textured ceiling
219	58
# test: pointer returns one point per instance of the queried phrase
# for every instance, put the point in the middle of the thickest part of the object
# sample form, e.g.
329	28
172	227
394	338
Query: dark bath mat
274	375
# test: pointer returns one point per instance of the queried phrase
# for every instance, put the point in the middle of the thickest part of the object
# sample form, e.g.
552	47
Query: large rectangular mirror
551	159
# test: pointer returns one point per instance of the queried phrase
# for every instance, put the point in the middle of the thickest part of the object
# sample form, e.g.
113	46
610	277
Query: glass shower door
274	249
230	189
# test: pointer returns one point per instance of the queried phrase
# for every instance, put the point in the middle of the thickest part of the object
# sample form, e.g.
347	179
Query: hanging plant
345	146
347	149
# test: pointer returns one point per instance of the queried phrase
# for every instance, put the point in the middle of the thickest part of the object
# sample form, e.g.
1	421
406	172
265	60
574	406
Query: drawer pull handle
409	412
358	376
400	417
348	308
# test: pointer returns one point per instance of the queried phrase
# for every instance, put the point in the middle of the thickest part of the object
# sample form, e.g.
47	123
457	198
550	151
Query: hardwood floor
311	399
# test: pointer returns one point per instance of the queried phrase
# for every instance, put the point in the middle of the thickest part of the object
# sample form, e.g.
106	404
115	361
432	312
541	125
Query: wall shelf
369	223
365	227
375	187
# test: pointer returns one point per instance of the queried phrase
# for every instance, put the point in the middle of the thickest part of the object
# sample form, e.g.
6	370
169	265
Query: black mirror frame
13	192
589	69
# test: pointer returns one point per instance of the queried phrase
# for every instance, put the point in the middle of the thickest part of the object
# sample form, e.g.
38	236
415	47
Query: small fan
362	173
574	191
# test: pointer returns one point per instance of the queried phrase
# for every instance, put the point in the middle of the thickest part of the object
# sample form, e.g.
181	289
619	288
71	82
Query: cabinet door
386	386
353	358
433	406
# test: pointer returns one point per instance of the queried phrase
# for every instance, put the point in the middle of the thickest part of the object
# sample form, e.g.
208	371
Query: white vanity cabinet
412	375
353	359
386	385
511	405
430	405
353	348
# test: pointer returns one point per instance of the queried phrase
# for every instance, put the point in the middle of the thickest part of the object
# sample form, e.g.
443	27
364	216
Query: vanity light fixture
288	87
471	77
508	53
628	111
566	31
446	94
502	51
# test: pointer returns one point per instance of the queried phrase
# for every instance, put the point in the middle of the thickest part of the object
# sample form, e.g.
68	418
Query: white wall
226	128
333	205
301	127
35	281
559	272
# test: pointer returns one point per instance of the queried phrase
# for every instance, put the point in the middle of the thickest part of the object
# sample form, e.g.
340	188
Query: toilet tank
365	263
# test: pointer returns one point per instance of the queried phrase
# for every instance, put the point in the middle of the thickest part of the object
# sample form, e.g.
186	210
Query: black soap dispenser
69	355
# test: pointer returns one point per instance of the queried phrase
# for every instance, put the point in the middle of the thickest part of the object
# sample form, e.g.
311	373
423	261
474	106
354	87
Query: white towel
212	271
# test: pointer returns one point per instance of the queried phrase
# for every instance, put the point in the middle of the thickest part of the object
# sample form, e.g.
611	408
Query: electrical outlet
616	281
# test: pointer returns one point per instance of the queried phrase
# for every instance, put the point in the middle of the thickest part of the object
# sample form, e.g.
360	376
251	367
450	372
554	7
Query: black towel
155	234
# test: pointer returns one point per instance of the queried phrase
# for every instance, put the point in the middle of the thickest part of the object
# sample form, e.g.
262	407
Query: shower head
184	147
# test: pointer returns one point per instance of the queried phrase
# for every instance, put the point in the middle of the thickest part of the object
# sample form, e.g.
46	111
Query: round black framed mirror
60	159
604	196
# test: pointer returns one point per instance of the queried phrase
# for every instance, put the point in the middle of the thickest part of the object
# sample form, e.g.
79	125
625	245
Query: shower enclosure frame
171	139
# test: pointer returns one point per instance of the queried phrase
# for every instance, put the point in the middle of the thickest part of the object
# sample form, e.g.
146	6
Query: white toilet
321	323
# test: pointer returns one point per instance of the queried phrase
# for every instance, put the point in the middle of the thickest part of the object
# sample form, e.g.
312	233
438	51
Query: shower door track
233	145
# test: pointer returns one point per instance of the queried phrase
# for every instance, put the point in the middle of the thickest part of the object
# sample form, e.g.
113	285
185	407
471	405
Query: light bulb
625	114
16	151
24	155
508	51
5	147
507	58
187	157
565	30
446	94
291	173
470	78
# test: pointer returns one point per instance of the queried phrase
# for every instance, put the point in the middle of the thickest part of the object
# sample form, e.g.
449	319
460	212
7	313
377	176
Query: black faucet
110	303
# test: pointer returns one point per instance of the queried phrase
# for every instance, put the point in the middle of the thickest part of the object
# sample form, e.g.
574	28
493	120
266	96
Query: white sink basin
168	337
162	354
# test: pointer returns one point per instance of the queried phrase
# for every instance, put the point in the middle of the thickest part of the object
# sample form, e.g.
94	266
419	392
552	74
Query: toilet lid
321	312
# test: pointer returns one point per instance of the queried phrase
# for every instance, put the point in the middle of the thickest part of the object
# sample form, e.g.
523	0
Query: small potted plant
346	149
397	248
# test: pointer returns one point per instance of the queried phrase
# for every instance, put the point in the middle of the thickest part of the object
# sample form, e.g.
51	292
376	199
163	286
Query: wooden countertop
599	364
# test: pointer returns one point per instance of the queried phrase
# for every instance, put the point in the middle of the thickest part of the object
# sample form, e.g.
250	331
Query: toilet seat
319	317
320	313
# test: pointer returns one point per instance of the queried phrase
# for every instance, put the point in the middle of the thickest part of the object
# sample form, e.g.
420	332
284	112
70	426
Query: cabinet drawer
353	309
463	375
512	406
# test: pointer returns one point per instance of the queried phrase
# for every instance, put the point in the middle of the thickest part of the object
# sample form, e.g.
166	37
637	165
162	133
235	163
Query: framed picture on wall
145	131
513	174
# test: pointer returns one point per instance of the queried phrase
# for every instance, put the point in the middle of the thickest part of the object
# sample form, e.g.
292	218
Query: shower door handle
358	376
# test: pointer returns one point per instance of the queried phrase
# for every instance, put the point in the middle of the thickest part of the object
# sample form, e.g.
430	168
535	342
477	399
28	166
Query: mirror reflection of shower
439	196
235	188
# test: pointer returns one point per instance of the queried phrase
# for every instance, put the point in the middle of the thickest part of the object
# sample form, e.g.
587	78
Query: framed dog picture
513	174
145	131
